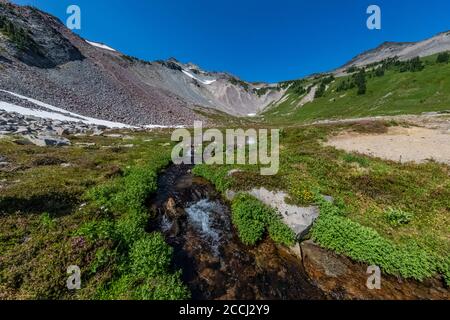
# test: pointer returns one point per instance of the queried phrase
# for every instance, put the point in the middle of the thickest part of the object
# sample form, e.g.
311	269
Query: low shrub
344	236
398	217
280	232
352	158
252	218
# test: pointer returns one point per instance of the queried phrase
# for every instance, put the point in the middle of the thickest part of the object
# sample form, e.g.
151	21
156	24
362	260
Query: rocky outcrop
48	141
342	278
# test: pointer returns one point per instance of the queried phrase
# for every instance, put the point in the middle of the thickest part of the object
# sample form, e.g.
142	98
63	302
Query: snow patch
205	82
58	114
100	45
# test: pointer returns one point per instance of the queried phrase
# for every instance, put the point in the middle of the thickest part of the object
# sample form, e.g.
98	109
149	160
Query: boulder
230	195
60	131
171	209
46	141
97	132
299	219
22	130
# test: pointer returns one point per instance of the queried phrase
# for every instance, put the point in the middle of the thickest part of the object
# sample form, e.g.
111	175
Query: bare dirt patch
400	144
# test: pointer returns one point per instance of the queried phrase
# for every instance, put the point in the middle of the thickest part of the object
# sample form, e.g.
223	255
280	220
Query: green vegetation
252	218
342	235
360	81
17	35
397	217
144	259
237	82
263	91
95	218
364	220
443	57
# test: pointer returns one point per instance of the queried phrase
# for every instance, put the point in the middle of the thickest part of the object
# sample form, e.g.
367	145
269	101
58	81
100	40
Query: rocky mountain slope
43	60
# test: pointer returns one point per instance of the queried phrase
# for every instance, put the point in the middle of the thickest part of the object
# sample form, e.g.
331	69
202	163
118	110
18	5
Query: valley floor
86	205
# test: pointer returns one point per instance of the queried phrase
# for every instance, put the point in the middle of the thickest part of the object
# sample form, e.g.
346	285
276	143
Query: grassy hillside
394	93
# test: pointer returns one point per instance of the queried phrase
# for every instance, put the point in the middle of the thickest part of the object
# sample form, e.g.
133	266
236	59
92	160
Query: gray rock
22	130
45	141
85	144
299	219
97	133
113	135
230	195
60	131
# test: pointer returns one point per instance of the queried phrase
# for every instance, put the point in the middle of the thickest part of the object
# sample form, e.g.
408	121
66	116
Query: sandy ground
416	144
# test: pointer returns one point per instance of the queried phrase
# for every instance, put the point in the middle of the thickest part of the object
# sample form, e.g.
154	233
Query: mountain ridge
54	65
403	50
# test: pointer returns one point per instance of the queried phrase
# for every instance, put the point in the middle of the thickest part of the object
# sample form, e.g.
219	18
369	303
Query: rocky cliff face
41	59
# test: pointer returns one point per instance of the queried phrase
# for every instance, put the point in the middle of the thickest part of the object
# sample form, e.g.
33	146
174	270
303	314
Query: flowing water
215	264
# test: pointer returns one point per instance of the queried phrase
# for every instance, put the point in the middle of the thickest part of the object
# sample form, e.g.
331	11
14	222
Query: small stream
215	264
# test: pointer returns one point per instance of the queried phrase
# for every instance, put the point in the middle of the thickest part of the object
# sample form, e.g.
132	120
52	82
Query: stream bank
215	264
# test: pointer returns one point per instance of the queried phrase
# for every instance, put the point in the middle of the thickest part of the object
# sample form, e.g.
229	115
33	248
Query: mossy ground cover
91	213
404	205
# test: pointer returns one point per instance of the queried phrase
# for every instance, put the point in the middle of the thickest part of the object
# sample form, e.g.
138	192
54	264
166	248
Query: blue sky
257	40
